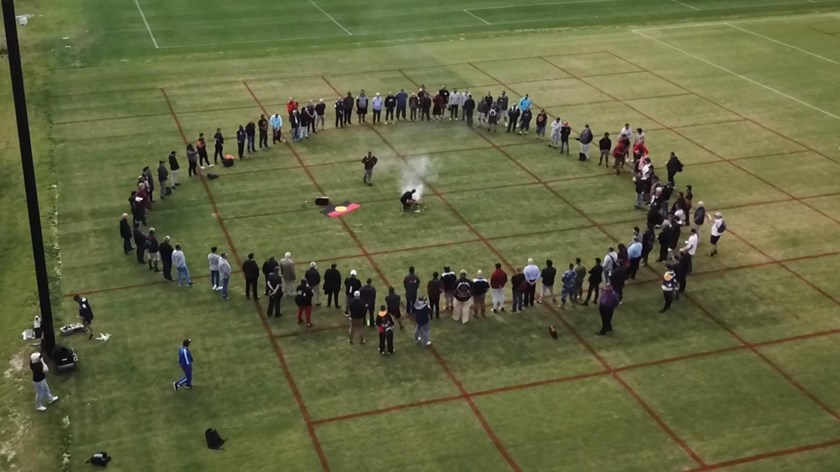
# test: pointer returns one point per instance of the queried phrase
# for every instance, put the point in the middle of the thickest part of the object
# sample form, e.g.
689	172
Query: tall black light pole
16	71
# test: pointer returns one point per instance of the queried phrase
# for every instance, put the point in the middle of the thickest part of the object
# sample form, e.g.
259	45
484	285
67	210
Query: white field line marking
574	2
477	17
686	5
791	46
703	24
148	28
331	18
731	72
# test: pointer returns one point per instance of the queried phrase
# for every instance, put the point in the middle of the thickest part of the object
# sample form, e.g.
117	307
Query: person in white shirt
626	133
555	133
609	262
718	227
532	274
690	249
454	101
462	98
213	261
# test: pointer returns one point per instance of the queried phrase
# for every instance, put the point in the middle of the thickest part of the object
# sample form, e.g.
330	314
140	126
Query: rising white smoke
415	175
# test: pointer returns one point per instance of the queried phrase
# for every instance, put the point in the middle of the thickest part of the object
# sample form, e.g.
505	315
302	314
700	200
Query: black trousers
530	293
386	341
389	114
377	116
333	295
683	281
434	304
593	288
606	319
646	253
241	148
339	120
362	112
371	316
277	136
669	299
469	115
140	254
218	153
348	115
193	170
688	263
251	147
167	269
663	252
511	125
425	115
410	299
127	245
413	114
634	268
251	287
453	111
263	138
401	112
202	157
274	305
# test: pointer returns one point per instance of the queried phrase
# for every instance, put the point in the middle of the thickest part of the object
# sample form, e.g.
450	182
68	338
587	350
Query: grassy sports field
738	376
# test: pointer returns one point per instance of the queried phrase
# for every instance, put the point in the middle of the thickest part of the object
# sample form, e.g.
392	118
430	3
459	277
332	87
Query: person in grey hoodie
224	274
287	271
179	261
362	106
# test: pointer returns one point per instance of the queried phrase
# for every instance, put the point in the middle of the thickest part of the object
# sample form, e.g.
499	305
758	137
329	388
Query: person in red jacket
619	152
291	106
498	280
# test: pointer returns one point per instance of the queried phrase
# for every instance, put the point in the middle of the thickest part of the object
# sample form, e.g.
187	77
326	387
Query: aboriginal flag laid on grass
340	210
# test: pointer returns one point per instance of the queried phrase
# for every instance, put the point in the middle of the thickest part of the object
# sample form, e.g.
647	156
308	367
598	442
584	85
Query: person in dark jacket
163	180
605	145
274	290
241	137
313	278
413	105
390	104
166	258
411	283
339	113
607	303
369	161
596	276
448	279
402	101
617	278
294	123
262	124
385	325
362	103
320	113
518	287
152	250
463	298
648	241
219	146
252	276
174	167
674	167
368	294
126	233
332	286
699	216
392	302
469	108
565	132
480	288
433	290
303	300
140	244
351	286
251	134
513	118
664	238
357	310
548	275
423	322
425	106
268	269
349	102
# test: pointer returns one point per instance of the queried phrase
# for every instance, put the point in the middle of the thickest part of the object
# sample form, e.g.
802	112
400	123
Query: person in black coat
174	167
368	295
252	276
140	244
349	102
664	238
648	241
126	233
469	107
313	278
268	269
166	258
351	286
332	286
163	180
674	167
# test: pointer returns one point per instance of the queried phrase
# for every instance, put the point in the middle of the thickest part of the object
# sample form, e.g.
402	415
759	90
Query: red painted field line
258	306
392	409
769	455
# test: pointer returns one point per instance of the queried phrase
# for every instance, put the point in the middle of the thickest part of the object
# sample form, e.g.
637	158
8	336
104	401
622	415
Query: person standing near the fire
201	148
369	162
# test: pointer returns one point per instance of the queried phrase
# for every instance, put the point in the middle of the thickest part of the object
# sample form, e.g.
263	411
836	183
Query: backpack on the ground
167	191
214	440
101	459
212	176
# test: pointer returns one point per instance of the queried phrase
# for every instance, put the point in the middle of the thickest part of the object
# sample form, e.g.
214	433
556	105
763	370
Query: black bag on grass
212	176
214	440
101	459
582	157
167	191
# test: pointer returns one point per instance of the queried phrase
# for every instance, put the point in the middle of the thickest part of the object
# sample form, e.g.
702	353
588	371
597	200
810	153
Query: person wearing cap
274	290
224	274
179	260
392	303
39	381
480	288
140	243
313	278
166	258
252	276
498	280
287	271
332	286
213	262
532	274
185	360
718	227
422	315
433	290
126	233
351	286
607	303
376	105
369	161
303	300
357	309
368	295
385	326
448	278
669	285
463	298
411	284
548	274
85	313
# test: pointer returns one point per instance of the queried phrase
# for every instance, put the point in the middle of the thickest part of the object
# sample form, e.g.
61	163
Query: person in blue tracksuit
185	359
